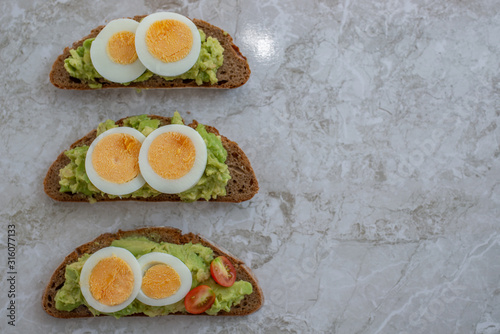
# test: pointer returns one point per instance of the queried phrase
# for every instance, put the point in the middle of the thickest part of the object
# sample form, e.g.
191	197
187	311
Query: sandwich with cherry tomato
151	272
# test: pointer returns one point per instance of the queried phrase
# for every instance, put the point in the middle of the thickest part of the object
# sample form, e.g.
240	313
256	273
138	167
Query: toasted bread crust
241	187
248	305
234	72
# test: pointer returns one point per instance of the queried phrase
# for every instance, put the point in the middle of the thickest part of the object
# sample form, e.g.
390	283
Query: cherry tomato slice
199	299
223	271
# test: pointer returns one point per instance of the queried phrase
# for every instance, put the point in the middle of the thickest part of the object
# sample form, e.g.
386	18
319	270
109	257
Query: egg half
110	279
173	158
167	43
113	52
112	161
166	279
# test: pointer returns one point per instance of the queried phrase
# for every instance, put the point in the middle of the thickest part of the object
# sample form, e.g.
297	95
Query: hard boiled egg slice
112	161
110	279
165	280
113	52
173	158
167	43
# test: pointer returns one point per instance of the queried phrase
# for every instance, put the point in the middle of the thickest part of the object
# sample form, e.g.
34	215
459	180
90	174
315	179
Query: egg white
148	260
107	186
91	262
151	62
174	186
103	64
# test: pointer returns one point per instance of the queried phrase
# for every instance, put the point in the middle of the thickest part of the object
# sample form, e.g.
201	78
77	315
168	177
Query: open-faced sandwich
152	158
151	271
161	50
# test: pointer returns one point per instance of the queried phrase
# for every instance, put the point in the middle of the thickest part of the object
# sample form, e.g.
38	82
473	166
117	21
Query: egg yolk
121	48
171	155
160	281
169	40
116	157
111	281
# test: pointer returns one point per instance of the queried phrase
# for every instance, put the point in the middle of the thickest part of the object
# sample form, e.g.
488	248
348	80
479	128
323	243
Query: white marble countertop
372	127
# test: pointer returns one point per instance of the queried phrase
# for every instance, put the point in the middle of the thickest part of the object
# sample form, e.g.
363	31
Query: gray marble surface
373	129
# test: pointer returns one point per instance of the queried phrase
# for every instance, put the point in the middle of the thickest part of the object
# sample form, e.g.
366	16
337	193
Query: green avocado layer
74	179
195	256
79	65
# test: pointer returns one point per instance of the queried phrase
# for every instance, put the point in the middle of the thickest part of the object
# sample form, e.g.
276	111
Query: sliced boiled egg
166	279
112	161
110	279
167	43
173	158
113	52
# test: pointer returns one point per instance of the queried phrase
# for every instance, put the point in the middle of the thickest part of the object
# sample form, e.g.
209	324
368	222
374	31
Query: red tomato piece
199	299
223	271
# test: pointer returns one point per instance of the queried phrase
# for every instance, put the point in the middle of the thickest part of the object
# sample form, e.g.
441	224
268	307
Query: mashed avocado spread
74	179
195	256
79	65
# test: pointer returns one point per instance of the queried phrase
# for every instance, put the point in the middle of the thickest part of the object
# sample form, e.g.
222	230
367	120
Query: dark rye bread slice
233	73
241	187
249	304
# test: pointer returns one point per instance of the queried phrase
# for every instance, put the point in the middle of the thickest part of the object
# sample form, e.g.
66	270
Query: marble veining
372	127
